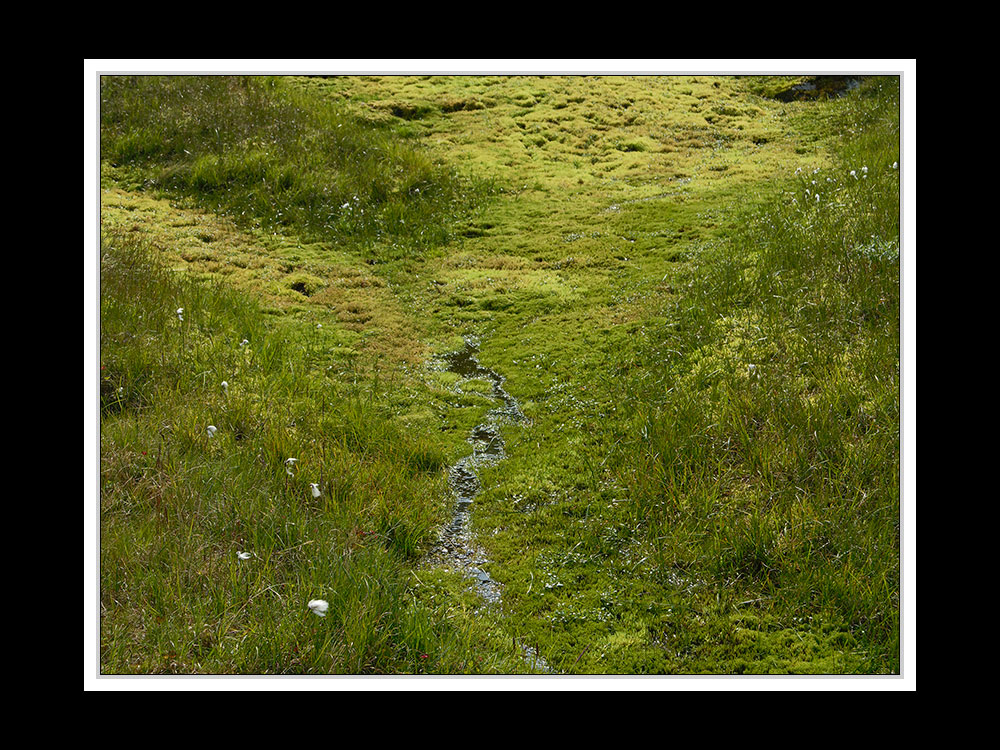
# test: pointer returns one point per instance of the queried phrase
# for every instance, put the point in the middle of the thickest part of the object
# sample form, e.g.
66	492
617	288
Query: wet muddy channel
457	548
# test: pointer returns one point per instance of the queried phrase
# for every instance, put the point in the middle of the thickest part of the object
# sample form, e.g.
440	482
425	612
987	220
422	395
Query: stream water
457	549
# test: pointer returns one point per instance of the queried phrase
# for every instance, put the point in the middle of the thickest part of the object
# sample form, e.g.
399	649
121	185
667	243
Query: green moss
304	283
665	508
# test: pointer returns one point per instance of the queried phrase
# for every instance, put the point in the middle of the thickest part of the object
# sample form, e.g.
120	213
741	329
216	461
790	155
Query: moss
304	283
631	533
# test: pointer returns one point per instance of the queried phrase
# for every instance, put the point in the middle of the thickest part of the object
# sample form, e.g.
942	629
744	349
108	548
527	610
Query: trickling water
456	548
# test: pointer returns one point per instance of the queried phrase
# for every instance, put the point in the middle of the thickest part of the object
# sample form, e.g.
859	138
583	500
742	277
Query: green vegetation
213	541
736	461
257	151
706	352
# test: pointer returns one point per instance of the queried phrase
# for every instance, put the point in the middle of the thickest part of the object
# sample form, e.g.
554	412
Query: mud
457	548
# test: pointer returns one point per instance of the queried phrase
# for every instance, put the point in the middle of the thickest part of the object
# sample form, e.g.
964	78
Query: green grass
722	475
257	151
708	359
178	505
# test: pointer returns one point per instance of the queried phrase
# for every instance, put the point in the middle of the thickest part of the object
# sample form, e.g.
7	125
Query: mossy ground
607	193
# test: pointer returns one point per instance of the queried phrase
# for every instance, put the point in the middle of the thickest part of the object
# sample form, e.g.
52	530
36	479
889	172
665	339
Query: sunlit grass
707	354
765	455
213	542
267	156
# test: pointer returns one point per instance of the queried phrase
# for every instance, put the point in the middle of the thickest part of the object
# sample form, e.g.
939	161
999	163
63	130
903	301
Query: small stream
457	548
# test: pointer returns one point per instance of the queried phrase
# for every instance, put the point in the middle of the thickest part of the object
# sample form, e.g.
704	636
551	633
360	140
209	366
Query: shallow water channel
457	548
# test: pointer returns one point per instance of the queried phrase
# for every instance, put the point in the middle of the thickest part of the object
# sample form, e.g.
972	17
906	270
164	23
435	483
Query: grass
707	356
255	150
769	448
732	472
178	505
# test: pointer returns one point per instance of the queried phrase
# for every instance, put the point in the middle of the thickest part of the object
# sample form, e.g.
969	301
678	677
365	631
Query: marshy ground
686	286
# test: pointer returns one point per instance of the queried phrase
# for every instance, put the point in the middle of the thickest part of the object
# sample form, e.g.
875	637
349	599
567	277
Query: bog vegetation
690	284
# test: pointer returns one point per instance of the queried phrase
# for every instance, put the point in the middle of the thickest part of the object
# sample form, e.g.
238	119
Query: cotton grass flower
225	387
315	489
244	555
212	429
319	607
180	314
290	466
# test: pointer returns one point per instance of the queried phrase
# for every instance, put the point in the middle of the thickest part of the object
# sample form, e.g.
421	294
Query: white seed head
243	555
290	466
319	607
212	429
180	313
315	489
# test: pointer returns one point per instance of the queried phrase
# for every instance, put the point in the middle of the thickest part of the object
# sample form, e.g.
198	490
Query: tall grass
258	151
179	505
766	407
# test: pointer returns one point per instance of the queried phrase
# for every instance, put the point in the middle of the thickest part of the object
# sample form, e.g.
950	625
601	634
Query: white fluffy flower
319	607
180	313
243	555
315	489
212	429
290	466
225	387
